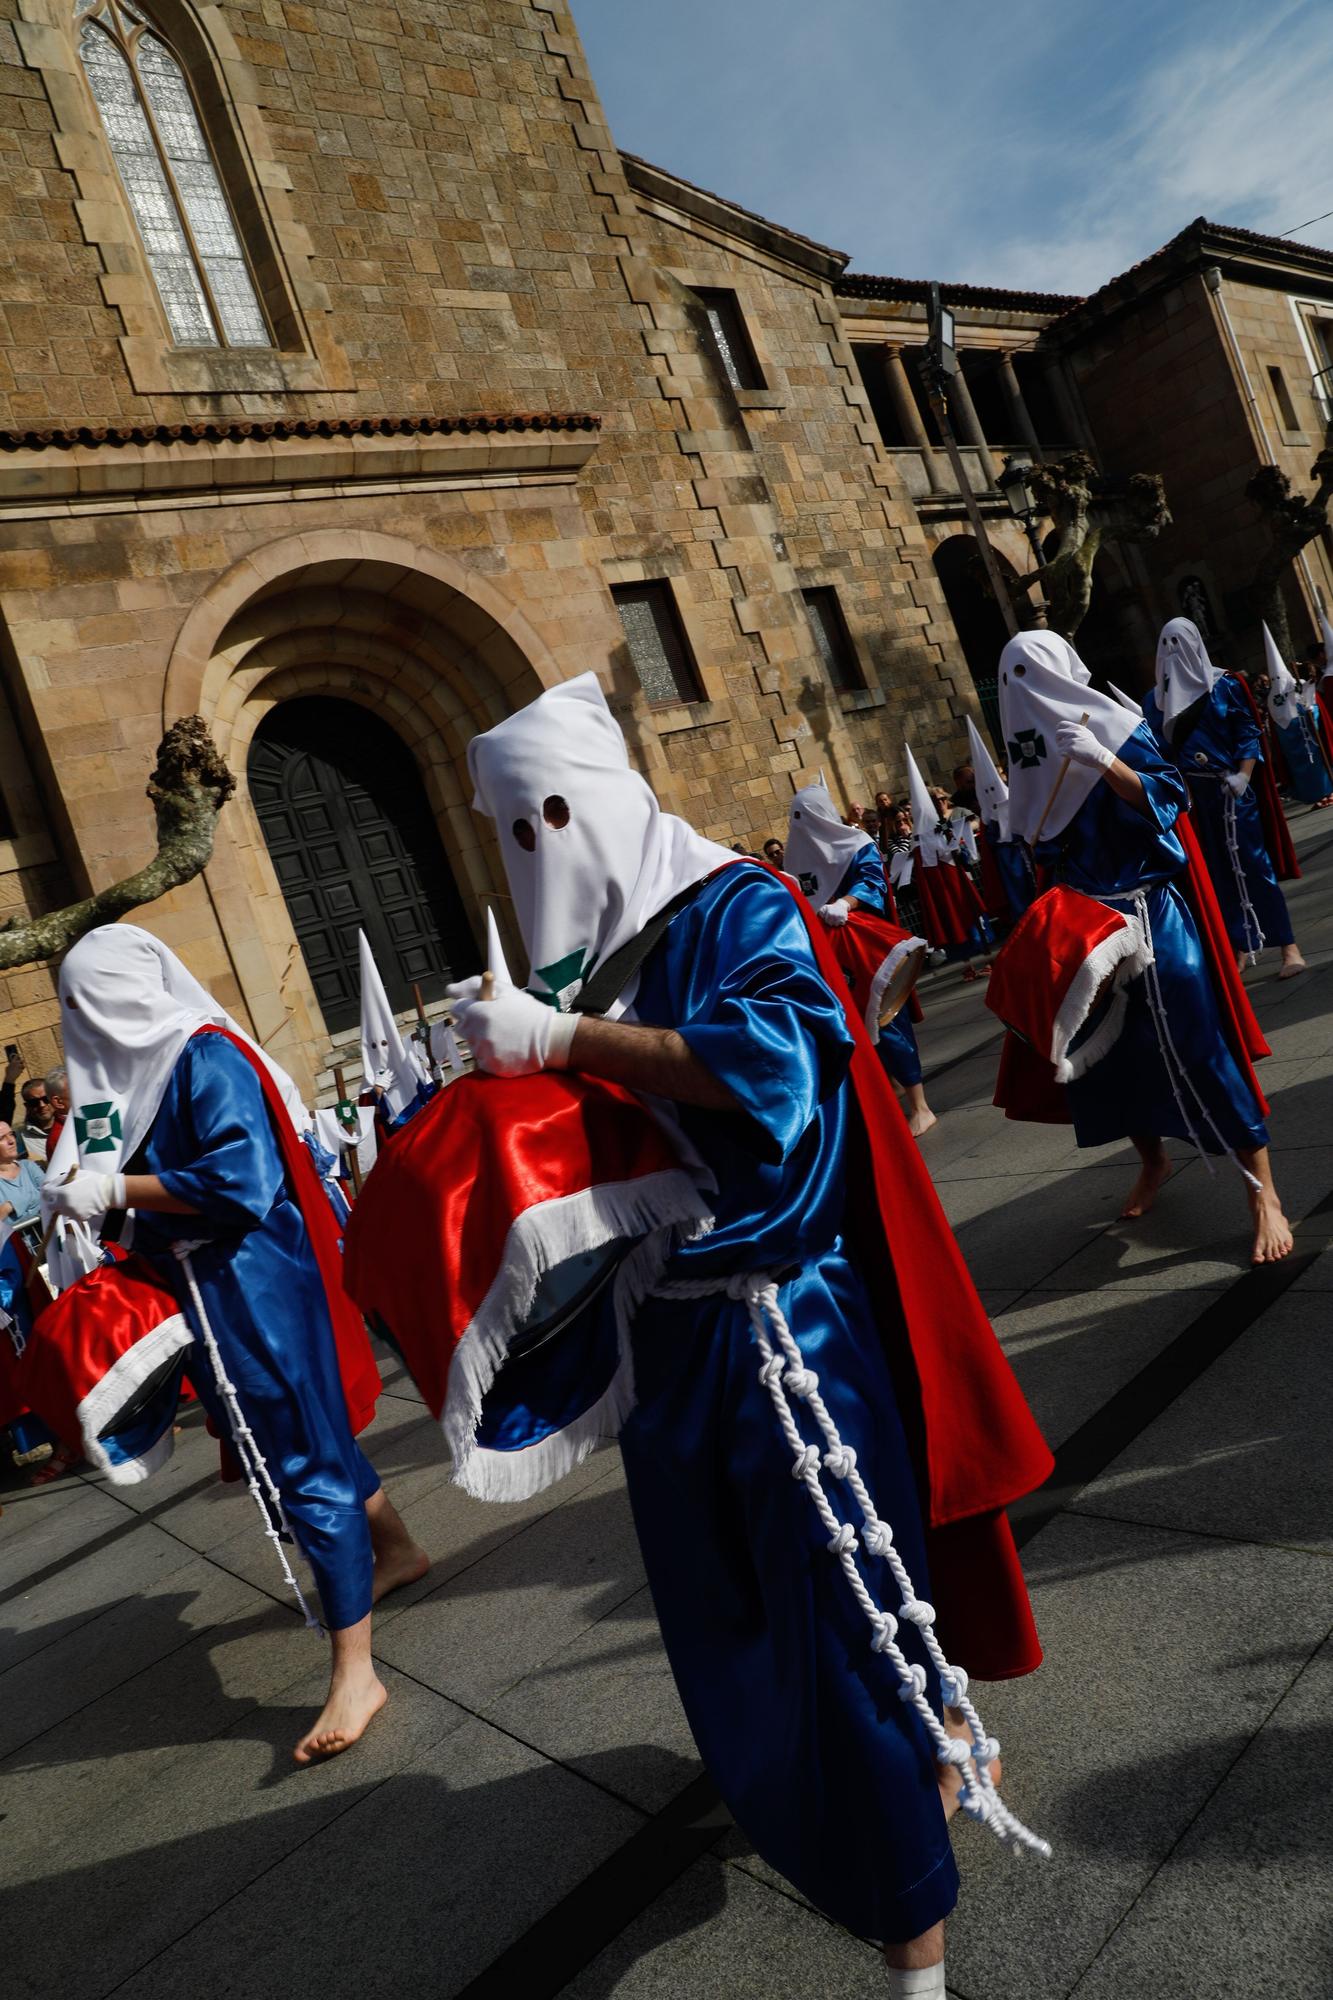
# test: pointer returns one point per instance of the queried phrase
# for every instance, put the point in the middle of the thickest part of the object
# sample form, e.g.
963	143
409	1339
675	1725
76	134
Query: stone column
1025	431
1076	430
904	402
964	413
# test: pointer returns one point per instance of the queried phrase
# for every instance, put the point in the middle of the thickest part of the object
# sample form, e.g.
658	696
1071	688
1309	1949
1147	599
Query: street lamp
939	364
1013	482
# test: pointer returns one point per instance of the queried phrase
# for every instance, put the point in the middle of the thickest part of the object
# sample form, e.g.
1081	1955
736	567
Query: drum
882	964
482	1245
1063	970
103	1365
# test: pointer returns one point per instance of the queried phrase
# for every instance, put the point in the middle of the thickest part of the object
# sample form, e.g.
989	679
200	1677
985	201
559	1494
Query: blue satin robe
897	1042
828	1774
1109	850
1222	738
1299	737
1015	866
212	1145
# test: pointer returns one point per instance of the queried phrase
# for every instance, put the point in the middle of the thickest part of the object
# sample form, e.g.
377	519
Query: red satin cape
950	906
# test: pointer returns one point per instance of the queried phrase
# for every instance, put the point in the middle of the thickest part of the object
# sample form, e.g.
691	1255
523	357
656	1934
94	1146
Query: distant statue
1195	602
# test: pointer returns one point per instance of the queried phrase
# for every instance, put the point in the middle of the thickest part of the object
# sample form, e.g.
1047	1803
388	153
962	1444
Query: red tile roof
861	285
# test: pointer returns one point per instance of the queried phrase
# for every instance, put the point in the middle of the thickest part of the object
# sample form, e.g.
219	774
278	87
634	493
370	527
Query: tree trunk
189	787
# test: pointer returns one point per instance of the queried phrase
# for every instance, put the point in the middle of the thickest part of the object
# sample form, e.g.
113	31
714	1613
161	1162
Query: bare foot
404	1563
1272	1232
921	1121
1292	962
1145	1189
356	1696
950	1780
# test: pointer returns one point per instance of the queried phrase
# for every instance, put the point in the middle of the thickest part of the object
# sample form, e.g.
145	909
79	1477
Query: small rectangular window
657	643
1286	409
832	639
735	355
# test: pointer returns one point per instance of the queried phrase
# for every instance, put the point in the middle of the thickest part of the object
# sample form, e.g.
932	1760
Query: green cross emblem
1027	749
561	980
345	1113
97	1128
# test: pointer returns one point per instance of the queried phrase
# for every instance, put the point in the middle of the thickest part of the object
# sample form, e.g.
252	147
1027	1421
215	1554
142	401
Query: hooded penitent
1326	633
930	833
992	792
386	1061
1043	683
1185	674
1126	701
1281	683
820	848
589	853
127	1008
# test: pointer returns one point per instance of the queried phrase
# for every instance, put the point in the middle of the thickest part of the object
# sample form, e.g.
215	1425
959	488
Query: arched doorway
355	847
976	617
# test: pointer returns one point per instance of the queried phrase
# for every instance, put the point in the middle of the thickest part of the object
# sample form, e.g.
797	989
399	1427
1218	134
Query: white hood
1326	631
127	1008
820	849
1043	682
992	792
589	853
386	1059
931	835
1126	700
1184	671
1282	688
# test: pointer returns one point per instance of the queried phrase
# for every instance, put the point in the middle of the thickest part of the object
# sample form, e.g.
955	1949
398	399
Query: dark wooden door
355	846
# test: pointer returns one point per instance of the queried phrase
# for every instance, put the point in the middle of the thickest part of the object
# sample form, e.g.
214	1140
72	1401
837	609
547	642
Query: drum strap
608	980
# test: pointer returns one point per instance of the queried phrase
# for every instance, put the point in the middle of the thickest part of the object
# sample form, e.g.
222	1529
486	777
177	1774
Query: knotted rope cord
1171	1062
1248	914
253	1463
784	1374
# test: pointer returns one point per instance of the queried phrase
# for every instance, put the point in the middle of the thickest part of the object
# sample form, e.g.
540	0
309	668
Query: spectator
870	823
965	788
35	1131
736	848
775	852
20	1180
57	1091
13	1071
852	816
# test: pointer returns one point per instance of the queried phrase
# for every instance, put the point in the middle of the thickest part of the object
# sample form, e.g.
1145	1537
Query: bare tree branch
189	787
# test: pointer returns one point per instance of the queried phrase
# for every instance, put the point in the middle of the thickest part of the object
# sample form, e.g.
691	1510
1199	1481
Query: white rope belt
1248	915
253	1463
784	1374
1177	1074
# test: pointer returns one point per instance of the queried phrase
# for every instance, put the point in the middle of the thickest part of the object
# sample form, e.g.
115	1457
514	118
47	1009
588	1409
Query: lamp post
1022	501
938	367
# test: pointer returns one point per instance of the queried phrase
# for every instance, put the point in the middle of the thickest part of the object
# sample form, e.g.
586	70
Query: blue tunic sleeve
1238	721
1111	848
865	880
747	996
212	1144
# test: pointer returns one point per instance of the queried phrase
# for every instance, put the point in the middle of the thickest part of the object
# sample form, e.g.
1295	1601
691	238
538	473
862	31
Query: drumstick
50	1229
487	985
1060	777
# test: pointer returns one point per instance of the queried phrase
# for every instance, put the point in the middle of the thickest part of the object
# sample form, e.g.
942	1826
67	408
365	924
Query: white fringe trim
129	1372
1124	953
538	1240
883	979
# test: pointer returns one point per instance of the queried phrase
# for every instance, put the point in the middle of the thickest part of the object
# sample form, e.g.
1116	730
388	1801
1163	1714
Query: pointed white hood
1326	630
992	791
1126	700
1282	688
931	837
820	849
127	1008
1184	671
589	853
1043	682
386	1060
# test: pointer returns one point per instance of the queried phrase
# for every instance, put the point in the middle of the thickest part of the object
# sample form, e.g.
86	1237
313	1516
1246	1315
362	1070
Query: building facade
354	389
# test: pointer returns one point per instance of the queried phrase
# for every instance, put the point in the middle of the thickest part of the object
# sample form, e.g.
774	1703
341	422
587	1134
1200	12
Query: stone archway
402	631
977	618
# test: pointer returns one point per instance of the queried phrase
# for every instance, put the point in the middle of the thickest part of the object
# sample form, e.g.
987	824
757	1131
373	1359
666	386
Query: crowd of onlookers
28	1141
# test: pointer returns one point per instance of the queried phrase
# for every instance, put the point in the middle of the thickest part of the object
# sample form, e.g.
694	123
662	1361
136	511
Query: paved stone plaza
528	1816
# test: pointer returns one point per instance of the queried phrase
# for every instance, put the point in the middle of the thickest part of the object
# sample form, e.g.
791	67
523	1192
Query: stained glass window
657	645
174	192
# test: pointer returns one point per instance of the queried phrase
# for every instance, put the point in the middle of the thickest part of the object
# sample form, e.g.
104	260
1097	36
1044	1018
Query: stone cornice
225	462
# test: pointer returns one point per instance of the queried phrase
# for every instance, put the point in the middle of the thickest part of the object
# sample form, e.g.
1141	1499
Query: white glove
513	1034
1237	783
84	1199
834	914
1076	741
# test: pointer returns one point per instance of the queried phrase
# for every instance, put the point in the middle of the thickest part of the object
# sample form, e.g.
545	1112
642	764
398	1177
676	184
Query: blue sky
1022	144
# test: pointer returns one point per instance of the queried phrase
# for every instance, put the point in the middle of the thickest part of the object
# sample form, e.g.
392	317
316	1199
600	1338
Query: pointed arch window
174	190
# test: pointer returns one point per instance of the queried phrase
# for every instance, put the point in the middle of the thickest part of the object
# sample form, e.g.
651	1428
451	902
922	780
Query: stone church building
354	387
